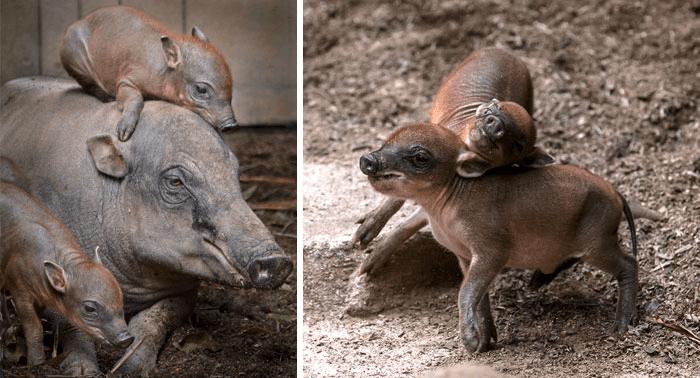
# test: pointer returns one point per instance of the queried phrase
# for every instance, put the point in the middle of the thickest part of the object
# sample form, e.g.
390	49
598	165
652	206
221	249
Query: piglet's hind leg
624	267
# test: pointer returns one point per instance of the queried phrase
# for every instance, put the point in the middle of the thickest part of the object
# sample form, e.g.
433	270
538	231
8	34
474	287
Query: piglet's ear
56	276
106	155
537	158
471	165
198	33
171	52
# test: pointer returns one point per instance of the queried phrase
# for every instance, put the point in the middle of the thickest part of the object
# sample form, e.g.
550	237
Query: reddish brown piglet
43	267
123	53
515	217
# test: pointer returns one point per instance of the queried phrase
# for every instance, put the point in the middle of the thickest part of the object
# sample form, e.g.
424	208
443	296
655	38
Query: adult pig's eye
173	190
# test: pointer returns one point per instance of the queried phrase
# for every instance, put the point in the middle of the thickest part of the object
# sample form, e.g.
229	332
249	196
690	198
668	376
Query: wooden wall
257	37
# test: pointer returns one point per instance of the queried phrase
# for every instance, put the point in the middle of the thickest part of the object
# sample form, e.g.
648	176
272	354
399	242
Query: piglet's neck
457	189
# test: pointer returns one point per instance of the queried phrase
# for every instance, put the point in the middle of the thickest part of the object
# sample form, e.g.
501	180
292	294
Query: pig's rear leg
383	250
372	223
75	58
130	103
624	267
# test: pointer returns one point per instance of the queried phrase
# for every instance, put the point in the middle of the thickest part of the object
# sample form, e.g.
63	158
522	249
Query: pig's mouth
386	176
228	265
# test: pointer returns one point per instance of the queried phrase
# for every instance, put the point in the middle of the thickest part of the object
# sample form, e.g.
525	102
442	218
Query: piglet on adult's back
123	53
43	267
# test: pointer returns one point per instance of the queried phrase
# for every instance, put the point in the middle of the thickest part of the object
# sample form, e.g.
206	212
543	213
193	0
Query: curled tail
630	222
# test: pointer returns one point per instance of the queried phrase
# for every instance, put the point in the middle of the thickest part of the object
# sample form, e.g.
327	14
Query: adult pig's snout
370	164
269	272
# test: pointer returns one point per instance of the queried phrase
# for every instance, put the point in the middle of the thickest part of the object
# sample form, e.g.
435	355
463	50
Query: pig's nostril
125	339
367	164
269	272
228	125
494	127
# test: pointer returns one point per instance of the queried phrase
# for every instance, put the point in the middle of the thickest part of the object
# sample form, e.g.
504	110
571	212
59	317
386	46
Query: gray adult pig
164	210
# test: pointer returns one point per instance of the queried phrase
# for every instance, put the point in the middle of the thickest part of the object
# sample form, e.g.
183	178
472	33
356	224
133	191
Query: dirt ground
616	92
236	332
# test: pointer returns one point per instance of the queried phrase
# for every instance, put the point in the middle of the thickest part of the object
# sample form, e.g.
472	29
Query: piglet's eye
420	158
90	308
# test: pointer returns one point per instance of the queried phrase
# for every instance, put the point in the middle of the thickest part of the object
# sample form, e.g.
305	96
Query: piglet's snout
269	272
229	124
124	339
494	127
370	164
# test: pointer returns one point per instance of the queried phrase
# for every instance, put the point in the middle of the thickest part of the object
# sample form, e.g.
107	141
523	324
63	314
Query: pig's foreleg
33	331
154	325
130	102
383	250
80	349
372	223
476	328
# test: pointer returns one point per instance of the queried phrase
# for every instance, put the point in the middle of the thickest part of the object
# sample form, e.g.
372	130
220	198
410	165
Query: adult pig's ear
537	158
56	276
171	51
198	33
106	155
471	165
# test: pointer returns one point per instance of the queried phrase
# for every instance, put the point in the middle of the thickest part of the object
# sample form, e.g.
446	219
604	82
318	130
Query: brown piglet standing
517	217
123	53
43	267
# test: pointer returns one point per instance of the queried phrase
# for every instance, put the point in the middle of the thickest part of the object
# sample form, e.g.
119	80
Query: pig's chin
387	183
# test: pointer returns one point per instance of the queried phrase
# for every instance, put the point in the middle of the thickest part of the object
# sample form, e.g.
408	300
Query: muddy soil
616	85
236	332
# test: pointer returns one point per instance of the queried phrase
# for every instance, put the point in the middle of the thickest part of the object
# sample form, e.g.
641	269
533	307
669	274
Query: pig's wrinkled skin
511	217
123	53
165	209
43	267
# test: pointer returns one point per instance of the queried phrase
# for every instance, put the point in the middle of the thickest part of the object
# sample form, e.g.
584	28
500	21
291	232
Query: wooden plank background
257	37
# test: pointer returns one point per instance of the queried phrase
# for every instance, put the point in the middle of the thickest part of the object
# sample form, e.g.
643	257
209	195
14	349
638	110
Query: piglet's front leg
373	223
80	349
153	326
476	322
384	249
130	102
